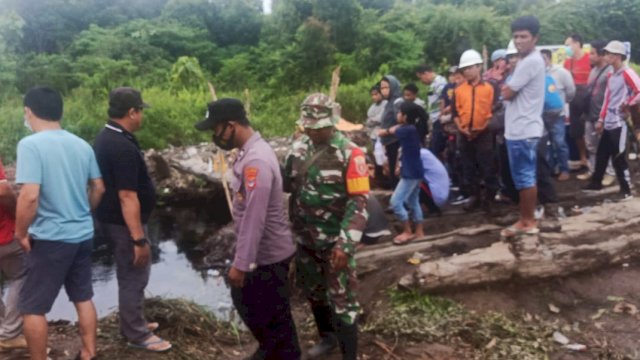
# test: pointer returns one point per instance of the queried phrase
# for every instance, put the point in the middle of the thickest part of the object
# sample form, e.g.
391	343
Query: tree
453	30
186	74
287	16
343	17
234	22
314	51
383	5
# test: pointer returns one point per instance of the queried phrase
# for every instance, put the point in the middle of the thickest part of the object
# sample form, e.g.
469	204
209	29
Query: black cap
125	98
222	111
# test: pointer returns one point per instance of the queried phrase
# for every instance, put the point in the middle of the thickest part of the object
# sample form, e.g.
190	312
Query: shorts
522	161
50	265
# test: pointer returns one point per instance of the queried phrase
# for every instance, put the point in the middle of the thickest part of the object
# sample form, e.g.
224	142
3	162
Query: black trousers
478	164
544	180
613	146
392	157
263	304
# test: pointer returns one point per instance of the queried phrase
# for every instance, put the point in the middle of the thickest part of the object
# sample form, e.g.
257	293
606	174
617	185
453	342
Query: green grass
428	319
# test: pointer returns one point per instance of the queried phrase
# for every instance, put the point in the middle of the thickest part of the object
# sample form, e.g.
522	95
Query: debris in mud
218	248
560	338
417	258
193	330
576	347
554	309
422	318
625	308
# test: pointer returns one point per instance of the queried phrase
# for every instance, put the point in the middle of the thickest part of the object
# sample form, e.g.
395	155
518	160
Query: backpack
552	99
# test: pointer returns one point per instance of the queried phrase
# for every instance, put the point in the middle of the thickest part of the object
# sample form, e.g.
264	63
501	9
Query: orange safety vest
473	105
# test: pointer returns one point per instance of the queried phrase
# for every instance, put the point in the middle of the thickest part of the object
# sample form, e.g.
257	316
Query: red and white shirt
623	87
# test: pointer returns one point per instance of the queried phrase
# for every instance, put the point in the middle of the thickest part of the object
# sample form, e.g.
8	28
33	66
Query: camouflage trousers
322	287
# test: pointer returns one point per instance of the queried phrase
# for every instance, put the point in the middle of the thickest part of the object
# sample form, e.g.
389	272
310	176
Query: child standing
411	173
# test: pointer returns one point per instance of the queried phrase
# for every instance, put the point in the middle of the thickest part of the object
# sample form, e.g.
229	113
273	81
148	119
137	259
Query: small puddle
173	274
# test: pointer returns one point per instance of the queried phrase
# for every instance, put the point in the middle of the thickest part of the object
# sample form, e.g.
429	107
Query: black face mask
225	144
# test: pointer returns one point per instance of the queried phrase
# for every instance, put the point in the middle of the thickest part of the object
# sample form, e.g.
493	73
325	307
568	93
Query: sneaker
633	156
607	180
473	202
539	212
625	197
460	200
591	187
574	165
551	211
585	176
18	342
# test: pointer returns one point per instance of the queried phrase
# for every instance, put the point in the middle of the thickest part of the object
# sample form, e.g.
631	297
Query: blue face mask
569	51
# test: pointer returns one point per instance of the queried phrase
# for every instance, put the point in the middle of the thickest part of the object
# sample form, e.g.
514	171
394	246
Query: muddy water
173	272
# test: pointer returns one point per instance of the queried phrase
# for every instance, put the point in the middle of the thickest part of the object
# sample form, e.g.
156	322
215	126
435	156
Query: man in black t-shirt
124	211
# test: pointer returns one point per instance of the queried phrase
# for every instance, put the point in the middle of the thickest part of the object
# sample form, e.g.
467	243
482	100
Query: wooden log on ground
606	235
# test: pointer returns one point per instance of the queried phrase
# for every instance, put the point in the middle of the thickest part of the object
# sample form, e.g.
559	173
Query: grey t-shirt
601	75
523	114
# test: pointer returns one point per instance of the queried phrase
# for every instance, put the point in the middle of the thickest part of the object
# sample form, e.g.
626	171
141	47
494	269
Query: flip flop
153	326
403	242
147	344
513	231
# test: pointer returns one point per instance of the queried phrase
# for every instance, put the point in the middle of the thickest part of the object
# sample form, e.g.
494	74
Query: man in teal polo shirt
53	223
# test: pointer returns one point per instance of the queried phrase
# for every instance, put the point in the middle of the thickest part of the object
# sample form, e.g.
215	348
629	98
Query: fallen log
606	235
466	235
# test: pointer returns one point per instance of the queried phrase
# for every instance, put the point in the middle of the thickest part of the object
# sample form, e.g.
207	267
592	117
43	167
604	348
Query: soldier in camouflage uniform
329	181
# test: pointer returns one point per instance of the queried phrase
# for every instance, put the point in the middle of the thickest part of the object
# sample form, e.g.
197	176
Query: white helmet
511	48
469	58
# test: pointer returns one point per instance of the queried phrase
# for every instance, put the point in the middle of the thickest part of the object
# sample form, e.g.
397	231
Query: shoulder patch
357	174
250	177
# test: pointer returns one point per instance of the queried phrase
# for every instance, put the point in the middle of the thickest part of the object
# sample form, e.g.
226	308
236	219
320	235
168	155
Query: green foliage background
170	48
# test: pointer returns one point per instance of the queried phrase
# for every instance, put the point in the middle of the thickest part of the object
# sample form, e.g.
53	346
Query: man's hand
507	93
599	127
25	242
236	277
141	255
465	132
338	260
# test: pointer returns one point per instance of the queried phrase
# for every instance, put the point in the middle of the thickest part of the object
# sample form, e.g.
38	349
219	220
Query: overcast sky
266	5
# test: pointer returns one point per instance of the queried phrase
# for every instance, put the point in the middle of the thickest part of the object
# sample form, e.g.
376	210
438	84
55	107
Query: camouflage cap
317	112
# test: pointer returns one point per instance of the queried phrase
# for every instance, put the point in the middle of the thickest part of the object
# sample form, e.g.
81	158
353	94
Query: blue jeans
522	160
559	154
407	192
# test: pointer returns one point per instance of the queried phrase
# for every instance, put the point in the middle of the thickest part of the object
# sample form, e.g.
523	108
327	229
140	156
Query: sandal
147	345
398	241
513	231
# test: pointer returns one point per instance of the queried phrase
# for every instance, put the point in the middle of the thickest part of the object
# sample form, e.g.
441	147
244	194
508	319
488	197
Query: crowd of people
505	133
492	135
